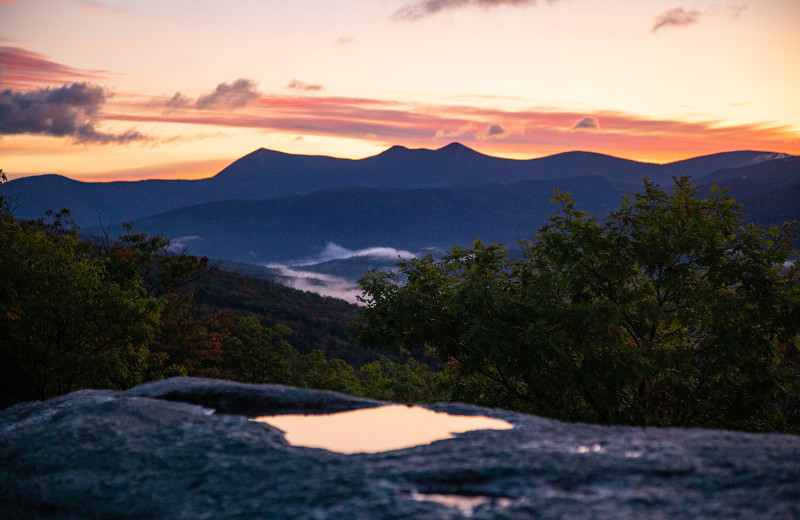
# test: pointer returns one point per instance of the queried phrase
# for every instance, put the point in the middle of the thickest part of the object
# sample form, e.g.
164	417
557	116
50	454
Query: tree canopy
67	320
74	314
669	312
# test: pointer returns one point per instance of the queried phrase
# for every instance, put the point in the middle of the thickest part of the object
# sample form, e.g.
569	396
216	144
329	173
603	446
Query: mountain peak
453	149
456	147
396	149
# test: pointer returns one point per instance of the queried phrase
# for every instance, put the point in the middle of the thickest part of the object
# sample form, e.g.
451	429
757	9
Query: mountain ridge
287	229
267	174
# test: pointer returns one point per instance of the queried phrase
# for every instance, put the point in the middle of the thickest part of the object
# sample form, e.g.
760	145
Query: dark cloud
423	8
495	130
308	87
586	123
676	17
680	17
240	93
234	95
68	111
178	101
88	134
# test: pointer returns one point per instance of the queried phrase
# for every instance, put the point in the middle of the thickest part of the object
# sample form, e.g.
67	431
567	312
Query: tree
253	353
65	321
409	382
77	315
668	313
314	370
188	345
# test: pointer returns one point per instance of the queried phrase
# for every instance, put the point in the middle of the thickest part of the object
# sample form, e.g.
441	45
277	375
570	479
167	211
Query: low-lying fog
335	270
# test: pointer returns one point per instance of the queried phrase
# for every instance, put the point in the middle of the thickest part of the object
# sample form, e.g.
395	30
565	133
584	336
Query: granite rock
185	448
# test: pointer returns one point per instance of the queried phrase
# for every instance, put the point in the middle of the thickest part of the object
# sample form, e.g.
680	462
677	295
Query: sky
103	90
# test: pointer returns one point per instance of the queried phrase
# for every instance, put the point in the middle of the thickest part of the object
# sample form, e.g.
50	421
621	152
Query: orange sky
104	89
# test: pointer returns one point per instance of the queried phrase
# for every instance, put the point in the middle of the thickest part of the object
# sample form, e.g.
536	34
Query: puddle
374	430
464	504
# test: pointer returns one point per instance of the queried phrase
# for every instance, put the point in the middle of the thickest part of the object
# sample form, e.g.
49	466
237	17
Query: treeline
669	312
75	314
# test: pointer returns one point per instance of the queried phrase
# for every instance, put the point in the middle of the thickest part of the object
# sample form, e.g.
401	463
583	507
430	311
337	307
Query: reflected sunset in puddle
374	430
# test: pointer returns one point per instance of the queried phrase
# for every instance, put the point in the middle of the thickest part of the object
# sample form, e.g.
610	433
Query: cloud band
415	11
68	111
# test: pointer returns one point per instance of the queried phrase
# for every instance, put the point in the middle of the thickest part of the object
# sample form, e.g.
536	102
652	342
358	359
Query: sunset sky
124	89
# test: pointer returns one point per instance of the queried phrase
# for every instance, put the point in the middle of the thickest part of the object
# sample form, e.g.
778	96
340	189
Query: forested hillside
316	322
670	311
78	315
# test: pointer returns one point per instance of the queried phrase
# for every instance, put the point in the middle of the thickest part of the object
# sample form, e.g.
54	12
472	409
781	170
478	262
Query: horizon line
129	175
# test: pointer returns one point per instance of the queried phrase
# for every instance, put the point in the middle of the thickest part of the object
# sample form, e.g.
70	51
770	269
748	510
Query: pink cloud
521	133
22	69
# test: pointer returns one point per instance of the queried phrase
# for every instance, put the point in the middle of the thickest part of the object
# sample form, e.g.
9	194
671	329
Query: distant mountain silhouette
292	228
267	174
92	203
748	181
719	161
774	205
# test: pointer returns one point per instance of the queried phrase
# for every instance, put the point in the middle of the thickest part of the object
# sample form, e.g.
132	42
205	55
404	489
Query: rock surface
185	448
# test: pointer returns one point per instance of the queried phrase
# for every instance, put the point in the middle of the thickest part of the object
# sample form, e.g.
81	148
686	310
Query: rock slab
185	448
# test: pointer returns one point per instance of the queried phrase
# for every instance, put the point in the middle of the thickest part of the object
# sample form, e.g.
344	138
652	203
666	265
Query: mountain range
266	174
270	207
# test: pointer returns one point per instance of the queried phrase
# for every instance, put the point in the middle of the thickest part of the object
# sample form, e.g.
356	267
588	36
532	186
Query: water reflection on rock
374	430
465	504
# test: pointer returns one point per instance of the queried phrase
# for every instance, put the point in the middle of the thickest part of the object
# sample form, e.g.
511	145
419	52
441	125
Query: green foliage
668	313
255	354
76	315
314	370
411	381
66	319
